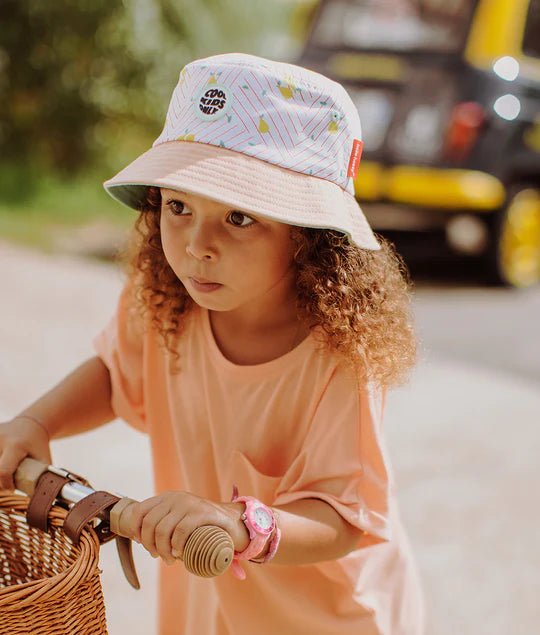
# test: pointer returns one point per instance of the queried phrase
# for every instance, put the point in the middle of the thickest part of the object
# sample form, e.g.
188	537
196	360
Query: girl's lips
204	286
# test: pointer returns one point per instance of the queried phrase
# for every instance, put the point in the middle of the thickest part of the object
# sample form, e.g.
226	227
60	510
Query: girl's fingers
159	523
180	536
138	512
9	461
178	540
163	524
163	536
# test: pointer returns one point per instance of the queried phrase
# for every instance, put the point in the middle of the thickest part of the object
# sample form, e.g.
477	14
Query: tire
514	246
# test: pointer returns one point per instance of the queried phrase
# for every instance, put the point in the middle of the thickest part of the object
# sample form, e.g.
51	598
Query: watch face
263	519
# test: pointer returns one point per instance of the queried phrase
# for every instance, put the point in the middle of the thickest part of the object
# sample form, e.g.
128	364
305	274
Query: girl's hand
162	524
20	438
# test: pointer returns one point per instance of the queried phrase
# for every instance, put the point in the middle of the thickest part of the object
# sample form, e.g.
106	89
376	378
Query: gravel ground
462	435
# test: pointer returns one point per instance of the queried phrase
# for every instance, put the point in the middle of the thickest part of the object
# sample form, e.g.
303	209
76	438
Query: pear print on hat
233	107
287	89
272	111
333	126
263	126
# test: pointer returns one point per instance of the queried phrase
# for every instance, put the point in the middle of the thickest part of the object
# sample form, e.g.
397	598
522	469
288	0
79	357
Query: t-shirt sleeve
343	459
120	346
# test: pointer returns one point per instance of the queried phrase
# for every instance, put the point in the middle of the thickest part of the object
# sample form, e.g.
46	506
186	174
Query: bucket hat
265	137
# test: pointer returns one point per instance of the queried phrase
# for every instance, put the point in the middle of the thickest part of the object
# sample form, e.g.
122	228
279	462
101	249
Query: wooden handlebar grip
119	517
27	475
208	552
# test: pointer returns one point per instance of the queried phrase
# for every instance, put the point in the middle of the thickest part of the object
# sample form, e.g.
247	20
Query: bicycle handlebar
208	552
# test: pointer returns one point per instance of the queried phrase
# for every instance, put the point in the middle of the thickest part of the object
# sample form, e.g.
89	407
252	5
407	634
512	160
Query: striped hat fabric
264	137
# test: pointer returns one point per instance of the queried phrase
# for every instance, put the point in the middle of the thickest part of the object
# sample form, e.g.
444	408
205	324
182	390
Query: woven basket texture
48	585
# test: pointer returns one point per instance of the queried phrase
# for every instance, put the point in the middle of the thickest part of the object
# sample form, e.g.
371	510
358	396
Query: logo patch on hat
354	161
213	102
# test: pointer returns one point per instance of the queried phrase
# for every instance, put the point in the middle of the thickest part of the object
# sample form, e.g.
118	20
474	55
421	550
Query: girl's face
227	260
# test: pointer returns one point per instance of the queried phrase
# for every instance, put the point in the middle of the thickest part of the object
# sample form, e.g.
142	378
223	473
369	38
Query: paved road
462	435
464	438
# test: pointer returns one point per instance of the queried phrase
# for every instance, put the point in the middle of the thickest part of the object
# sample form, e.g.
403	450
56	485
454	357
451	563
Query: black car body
449	98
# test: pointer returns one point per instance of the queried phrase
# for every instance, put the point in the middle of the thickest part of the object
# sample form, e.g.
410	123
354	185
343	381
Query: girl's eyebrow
175	192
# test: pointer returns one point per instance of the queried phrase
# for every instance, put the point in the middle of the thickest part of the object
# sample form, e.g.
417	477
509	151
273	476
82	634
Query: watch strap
257	541
274	544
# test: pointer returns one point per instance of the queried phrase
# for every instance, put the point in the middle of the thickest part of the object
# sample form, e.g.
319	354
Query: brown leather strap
47	489
123	545
84	511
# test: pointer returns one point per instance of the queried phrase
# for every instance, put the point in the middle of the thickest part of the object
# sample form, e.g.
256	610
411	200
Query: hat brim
245	183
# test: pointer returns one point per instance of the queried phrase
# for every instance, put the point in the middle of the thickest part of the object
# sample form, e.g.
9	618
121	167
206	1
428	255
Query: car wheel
514	251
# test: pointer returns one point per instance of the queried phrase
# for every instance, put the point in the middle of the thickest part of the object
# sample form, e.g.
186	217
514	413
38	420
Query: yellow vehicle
449	98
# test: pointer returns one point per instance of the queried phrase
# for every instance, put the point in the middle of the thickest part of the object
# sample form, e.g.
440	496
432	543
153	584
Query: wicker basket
48	585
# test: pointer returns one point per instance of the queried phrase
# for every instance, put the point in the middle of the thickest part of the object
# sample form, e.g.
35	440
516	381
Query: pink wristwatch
260	523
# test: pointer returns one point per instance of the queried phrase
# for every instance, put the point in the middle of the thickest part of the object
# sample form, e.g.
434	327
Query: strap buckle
90	508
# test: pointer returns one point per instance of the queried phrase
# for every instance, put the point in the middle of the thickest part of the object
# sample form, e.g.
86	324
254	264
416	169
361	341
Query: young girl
259	328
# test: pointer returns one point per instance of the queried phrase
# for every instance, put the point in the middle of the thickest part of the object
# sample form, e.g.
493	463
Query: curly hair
358	300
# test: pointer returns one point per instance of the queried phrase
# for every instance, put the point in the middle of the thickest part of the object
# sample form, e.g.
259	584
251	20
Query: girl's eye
240	220
176	207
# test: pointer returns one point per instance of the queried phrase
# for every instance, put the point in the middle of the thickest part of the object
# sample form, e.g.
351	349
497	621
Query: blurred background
84	88
449	94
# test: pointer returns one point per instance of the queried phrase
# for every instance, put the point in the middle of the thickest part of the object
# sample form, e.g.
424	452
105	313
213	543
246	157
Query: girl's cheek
171	247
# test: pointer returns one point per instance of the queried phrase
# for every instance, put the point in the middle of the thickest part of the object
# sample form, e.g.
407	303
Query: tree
58	59
71	71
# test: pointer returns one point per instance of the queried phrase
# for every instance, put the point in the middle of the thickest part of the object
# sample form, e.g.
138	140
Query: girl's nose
201	244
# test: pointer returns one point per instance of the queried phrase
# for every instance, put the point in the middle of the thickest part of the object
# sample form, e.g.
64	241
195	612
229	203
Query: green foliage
84	88
58	206
56	59
78	76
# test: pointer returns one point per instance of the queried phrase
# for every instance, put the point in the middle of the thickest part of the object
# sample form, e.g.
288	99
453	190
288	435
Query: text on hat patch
213	102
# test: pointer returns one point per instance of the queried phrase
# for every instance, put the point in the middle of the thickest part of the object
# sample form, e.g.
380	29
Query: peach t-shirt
296	427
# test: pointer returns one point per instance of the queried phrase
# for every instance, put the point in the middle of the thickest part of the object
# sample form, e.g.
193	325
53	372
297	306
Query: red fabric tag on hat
354	161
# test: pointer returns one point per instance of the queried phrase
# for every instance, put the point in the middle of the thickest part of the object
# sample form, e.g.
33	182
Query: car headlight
507	107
